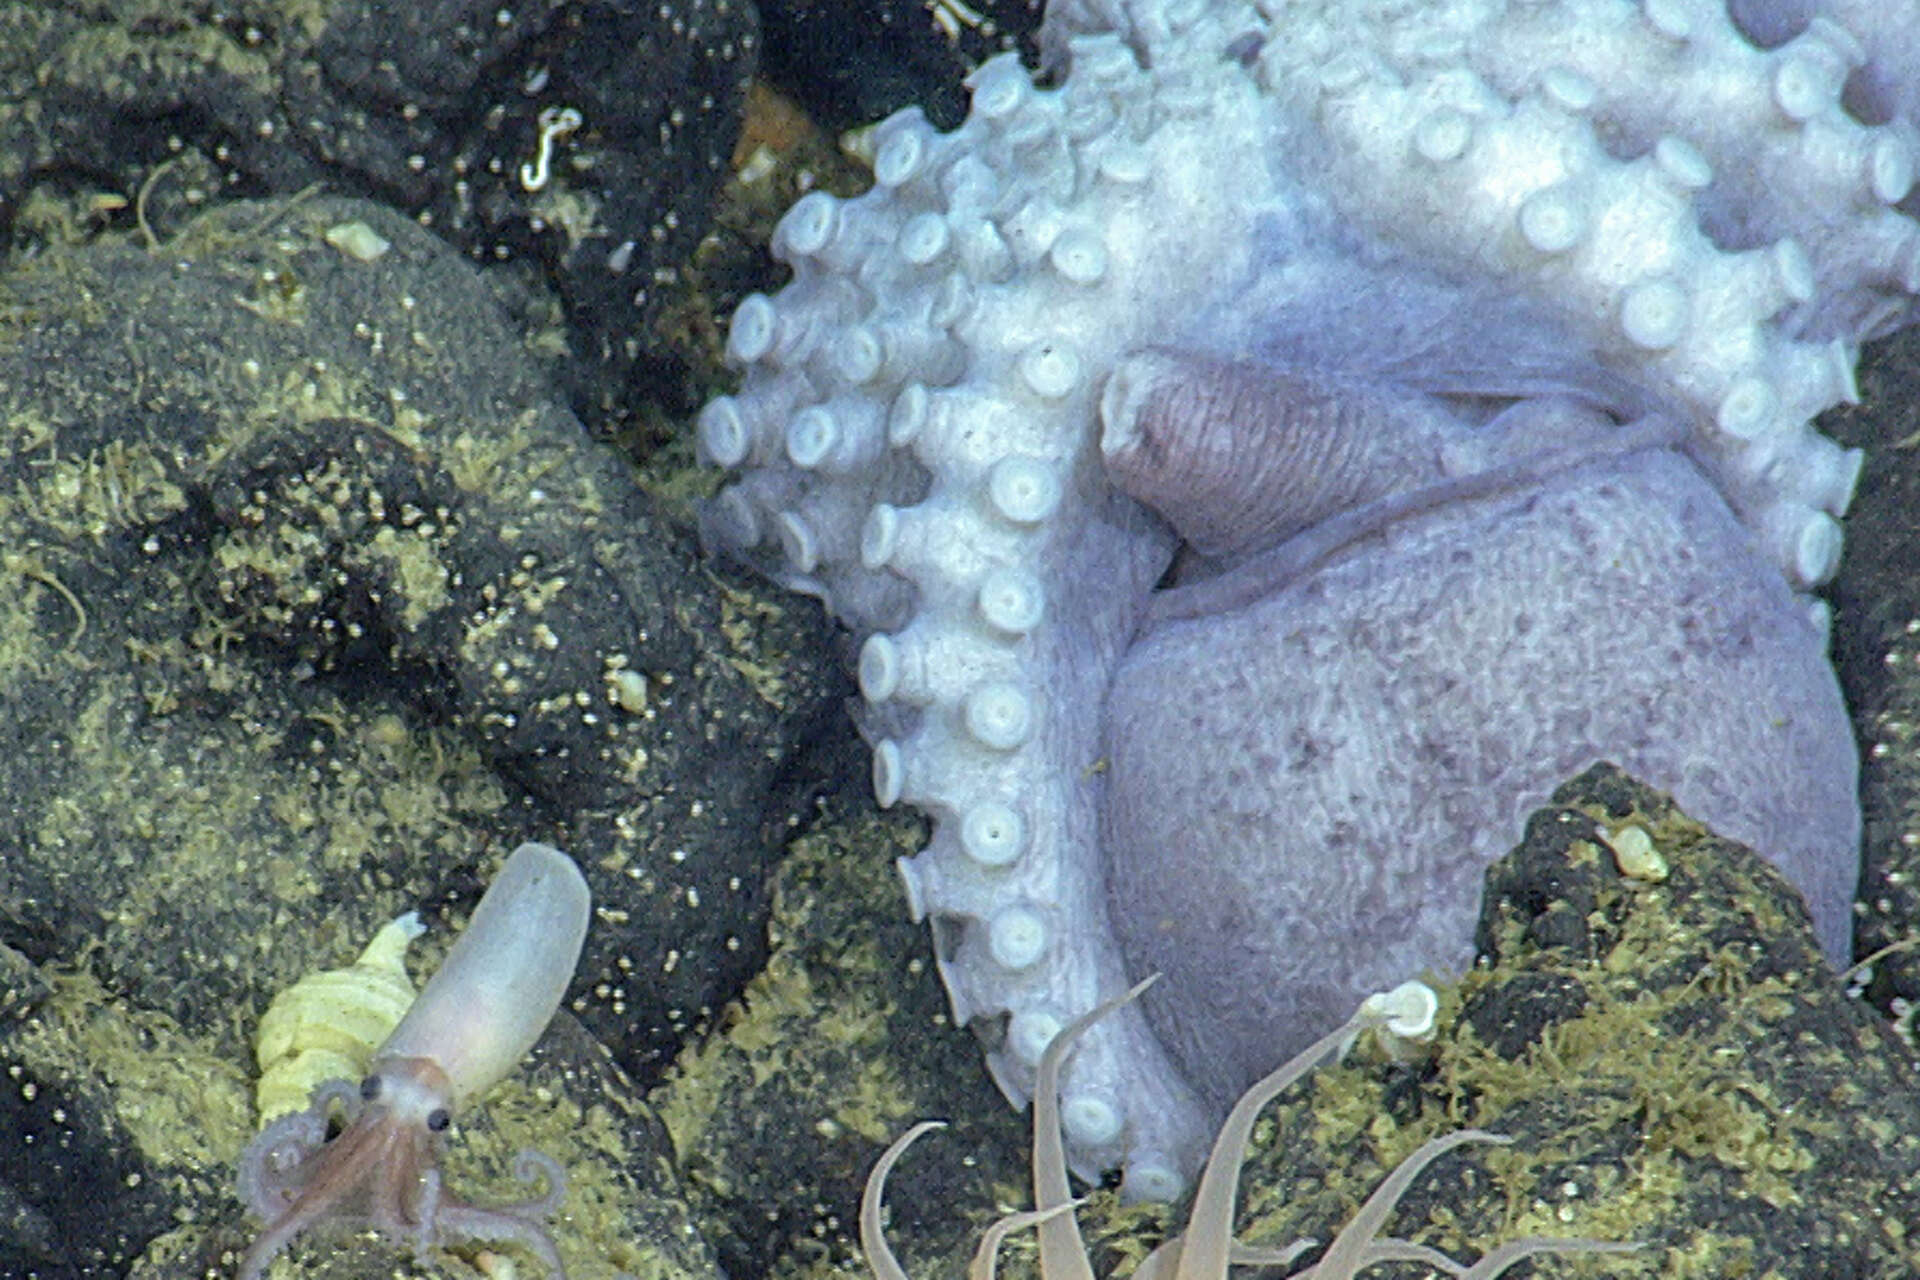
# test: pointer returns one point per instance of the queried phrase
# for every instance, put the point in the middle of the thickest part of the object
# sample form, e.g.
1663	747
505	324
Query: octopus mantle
1261	467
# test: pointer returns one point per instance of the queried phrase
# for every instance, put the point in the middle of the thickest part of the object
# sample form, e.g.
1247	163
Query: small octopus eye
370	1088
438	1120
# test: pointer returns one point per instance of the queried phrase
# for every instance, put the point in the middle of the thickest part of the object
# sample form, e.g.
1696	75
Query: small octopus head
382	1171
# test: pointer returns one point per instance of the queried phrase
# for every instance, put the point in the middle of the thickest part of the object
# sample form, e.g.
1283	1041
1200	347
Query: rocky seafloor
326	576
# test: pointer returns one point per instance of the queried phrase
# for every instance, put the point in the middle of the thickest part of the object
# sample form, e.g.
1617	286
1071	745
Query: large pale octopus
1262	466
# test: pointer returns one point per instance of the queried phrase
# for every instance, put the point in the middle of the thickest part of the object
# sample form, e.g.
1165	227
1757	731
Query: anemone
1207	1248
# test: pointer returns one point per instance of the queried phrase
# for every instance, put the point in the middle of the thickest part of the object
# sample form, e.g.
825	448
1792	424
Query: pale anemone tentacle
1206	1249
880	1257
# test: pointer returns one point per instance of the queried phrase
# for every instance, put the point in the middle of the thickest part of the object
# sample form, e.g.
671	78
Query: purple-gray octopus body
1261	467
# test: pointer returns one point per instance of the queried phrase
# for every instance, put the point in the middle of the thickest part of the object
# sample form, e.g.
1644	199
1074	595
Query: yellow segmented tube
327	1025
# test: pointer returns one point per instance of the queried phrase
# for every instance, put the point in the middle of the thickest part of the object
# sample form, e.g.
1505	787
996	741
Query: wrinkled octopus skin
1263	464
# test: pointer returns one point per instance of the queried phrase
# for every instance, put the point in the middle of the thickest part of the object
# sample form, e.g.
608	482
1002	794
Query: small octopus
381	1171
474	1020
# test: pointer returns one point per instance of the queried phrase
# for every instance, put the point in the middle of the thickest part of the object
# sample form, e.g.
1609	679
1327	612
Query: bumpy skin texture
1460	673
1263	466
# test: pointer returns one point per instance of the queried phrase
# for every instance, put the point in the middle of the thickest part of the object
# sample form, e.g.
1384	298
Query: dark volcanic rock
1876	650
585	138
1673	1058
315	602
